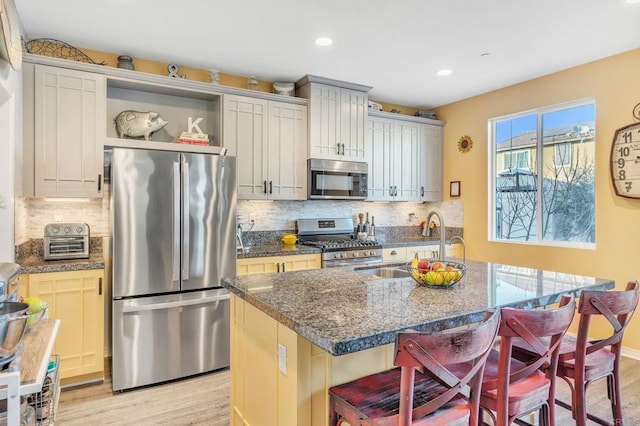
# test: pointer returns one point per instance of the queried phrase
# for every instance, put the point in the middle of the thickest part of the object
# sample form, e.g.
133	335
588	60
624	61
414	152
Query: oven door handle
352	262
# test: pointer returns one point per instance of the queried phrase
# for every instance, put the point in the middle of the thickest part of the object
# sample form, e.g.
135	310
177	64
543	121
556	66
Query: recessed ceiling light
324	41
444	72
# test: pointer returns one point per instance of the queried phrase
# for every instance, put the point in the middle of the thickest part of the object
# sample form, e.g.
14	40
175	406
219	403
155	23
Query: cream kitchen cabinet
394	254
269	139
77	299
275	264
431	144
395	160
337	118
64	131
405	158
407	253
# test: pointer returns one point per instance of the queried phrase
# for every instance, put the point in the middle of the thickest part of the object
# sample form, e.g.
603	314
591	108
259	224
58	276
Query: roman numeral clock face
625	161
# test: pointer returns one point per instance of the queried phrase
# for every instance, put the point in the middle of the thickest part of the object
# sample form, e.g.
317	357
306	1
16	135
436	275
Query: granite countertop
277	249
37	264
359	311
280	249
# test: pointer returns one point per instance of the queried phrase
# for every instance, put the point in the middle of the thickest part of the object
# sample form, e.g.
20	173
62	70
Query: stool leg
616	403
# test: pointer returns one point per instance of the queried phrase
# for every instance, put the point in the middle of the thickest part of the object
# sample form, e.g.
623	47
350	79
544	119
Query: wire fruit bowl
437	274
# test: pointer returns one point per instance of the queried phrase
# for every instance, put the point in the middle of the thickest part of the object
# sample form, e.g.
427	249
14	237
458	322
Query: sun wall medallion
465	144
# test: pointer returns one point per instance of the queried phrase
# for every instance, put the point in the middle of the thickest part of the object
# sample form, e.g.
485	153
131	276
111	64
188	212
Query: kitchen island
296	334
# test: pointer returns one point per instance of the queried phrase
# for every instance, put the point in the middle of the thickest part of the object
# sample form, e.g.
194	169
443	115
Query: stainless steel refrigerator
173	218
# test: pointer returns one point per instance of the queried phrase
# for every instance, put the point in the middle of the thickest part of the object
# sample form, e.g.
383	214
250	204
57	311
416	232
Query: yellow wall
615	85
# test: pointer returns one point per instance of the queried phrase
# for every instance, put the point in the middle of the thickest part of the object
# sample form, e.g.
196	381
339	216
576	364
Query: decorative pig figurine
135	123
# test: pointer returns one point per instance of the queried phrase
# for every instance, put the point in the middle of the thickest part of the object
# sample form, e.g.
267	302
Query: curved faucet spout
427	232
464	247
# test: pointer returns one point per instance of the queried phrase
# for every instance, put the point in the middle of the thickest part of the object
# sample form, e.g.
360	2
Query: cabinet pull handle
99	286
264	184
278	267
342	148
283	267
270	187
422	191
99	183
393	252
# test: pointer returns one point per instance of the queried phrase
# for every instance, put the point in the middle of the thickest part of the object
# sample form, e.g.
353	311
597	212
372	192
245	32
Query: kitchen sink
387	272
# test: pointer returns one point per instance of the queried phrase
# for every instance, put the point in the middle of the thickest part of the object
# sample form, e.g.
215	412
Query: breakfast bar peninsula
296	334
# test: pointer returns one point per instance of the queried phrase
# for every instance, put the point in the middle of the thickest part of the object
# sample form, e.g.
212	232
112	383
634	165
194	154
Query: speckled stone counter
344	311
37	264
279	249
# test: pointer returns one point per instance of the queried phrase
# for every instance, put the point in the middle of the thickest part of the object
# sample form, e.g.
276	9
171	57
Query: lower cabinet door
77	299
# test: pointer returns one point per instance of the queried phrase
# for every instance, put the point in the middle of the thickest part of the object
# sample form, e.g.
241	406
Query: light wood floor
204	400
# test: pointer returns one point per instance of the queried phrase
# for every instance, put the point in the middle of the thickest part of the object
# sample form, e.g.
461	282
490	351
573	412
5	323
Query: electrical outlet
282	358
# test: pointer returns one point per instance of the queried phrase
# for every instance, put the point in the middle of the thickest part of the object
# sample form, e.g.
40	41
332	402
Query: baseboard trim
626	352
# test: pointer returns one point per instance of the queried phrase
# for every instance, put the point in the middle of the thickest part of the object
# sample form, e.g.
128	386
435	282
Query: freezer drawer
161	338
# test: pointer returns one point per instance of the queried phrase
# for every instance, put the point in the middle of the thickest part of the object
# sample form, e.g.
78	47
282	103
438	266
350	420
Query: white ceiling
396	46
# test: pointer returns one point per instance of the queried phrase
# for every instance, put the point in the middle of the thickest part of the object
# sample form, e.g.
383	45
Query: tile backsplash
281	215
33	214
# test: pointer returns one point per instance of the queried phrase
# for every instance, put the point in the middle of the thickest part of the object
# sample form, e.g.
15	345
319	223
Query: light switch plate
282	358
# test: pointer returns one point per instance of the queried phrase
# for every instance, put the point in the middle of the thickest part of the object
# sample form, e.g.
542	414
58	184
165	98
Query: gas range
335	238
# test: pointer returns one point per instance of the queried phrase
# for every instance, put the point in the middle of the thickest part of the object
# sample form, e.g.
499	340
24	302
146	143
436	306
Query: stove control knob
372	253
342	255
335	256
355	254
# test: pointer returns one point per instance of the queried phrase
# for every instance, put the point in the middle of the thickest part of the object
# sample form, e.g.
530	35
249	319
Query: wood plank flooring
204	400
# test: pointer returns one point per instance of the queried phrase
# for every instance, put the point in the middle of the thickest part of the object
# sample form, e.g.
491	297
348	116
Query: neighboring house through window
543	175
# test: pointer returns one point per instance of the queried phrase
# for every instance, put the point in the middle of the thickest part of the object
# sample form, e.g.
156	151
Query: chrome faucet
426	232
464	247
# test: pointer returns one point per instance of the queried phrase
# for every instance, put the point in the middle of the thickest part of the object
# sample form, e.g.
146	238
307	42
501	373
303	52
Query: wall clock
10	43
625	161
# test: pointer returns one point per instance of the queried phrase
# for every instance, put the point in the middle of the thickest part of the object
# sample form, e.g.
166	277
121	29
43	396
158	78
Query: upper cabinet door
407	161
245	136
380	149
353	124
431	171
325	115
286	151
69	133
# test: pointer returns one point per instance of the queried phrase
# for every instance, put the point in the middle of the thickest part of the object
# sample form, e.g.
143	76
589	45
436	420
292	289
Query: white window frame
492	173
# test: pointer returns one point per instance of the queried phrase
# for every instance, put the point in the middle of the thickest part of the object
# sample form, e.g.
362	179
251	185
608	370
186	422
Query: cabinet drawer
394	254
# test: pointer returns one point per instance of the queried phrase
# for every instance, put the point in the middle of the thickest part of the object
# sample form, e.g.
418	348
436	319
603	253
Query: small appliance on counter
64	241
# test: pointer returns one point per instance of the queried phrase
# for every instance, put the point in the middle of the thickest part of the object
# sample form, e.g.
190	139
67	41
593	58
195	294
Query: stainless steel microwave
337	180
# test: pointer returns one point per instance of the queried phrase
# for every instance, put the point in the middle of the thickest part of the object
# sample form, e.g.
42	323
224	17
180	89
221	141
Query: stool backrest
434	352
543	330
616	306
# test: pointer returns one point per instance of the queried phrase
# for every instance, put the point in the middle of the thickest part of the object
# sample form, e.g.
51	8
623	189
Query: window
516	159
562	154
543	175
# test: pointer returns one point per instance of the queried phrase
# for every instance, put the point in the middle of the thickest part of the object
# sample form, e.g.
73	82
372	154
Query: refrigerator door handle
176	304
185	220
175	239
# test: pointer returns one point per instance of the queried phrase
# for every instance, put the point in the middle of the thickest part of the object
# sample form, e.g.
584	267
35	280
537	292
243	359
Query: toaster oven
66	241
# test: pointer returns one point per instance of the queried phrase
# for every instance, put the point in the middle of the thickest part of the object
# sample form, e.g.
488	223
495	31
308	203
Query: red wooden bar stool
406	395
512	388
583	361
